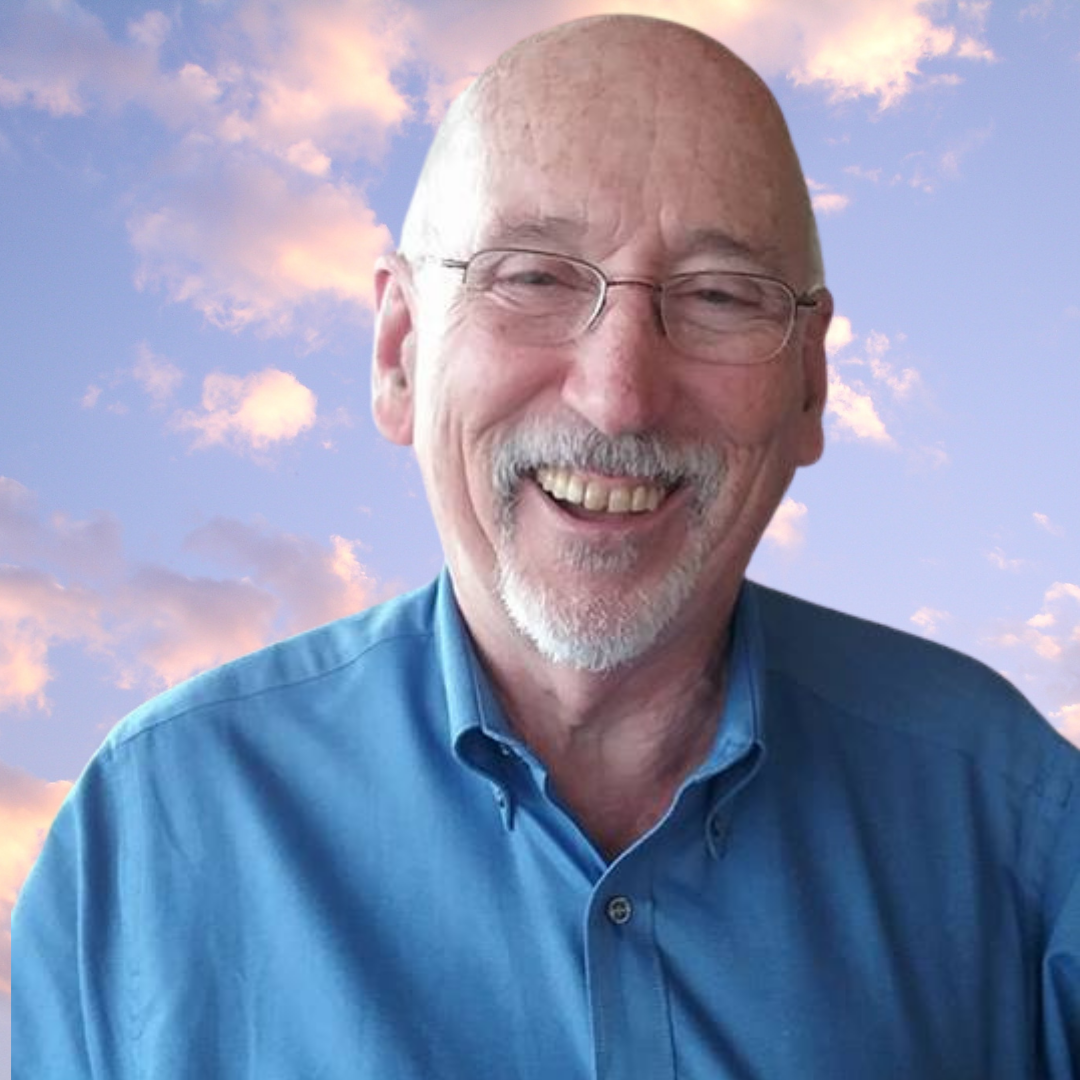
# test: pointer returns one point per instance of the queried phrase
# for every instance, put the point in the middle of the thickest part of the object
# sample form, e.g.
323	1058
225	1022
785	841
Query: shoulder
373	644
868	673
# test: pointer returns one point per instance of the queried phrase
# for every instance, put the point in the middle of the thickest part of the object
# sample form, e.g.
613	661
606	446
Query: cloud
929	619
1044	522
871	48
951	159
875	51
873	175
153	625
27	808
877	345
254	214
315	584
829	202
1049	646
786	529
839	334
176	625
251	412
243	219
1068	721
90	398
36	612
158	376
854	412
273	248
89	547
998	558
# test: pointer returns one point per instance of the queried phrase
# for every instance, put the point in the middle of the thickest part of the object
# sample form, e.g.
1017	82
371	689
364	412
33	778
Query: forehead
598	155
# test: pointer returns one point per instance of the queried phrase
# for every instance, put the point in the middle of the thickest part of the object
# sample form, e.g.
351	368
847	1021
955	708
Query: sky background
191	197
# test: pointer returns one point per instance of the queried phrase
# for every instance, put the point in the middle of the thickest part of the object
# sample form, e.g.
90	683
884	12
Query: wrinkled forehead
624	145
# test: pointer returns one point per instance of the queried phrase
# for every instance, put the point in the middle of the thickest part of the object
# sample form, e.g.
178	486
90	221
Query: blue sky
192	196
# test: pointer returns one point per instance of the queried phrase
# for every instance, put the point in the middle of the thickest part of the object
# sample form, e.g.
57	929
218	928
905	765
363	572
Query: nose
621	371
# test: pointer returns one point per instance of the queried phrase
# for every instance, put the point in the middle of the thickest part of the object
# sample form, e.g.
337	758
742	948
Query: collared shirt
332	860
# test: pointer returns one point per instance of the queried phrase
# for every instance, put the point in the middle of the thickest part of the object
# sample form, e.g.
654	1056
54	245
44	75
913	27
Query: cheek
749	409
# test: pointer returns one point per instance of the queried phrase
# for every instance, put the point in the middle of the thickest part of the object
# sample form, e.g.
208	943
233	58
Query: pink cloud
252	412
175	626
27	807
272	242
153	626
315	585
873	48
36	611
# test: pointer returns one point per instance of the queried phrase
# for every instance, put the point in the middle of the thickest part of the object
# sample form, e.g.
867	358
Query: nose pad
605	303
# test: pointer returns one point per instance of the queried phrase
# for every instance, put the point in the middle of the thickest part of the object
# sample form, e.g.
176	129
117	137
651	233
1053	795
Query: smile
599	493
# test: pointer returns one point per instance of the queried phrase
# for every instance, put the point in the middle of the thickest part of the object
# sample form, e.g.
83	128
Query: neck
616	745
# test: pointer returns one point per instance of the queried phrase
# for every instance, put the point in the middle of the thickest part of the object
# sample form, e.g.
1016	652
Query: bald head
609	107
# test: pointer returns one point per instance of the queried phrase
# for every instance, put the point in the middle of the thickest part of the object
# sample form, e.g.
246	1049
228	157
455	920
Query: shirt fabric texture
332	860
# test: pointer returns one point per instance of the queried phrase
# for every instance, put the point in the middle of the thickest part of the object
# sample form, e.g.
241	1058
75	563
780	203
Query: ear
394	352
815	378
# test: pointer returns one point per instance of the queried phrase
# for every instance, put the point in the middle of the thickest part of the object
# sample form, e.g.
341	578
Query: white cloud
877	345
873	175
27	808
1061	589
853	412
788	524
830	202
839	334
1048	646
999	559
1068	721
929	619
1044	522
90	398
252	412
158	376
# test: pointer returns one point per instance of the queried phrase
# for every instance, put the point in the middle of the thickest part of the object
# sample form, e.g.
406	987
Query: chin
604	629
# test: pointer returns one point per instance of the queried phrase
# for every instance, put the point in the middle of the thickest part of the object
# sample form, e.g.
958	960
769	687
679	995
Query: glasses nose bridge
656	288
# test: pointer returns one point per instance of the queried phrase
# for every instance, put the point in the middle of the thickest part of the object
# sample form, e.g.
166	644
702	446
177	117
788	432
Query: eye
534	282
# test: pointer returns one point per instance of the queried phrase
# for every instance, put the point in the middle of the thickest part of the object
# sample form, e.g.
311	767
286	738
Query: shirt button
619	909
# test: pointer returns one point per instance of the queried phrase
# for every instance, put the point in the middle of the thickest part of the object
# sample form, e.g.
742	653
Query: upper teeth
595	493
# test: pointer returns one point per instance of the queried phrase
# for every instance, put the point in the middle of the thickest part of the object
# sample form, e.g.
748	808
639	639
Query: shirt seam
127	739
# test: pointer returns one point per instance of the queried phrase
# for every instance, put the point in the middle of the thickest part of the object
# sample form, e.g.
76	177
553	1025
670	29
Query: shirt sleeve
68	965
1061	963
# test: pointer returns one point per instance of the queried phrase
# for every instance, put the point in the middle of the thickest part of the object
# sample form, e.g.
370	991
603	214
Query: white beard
606	630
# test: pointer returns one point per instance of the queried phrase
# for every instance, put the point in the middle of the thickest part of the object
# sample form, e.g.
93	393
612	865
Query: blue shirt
332	861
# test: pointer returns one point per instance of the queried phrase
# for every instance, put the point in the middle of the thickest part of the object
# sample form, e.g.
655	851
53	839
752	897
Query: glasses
719	316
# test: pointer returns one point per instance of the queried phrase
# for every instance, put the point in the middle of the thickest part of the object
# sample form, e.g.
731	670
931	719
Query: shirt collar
478	729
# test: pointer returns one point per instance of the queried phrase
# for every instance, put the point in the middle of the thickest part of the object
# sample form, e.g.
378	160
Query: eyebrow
562	230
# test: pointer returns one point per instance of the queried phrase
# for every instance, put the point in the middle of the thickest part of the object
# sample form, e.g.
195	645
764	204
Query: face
594	498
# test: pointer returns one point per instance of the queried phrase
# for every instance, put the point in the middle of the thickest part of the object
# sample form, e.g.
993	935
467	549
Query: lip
599	522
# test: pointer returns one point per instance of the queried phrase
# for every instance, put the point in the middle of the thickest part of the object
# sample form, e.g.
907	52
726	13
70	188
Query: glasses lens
726	317
532	296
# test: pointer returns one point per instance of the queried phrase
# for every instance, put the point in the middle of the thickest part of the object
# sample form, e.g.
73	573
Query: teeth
598	494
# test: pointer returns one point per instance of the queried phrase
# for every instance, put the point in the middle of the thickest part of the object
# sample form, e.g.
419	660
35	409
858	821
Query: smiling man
591	805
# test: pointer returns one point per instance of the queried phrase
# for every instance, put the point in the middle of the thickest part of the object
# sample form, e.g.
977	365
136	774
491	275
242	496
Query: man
591	805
